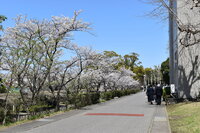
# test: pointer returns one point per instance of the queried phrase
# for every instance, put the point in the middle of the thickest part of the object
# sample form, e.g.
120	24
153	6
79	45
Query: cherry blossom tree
102	75
68	71
33	47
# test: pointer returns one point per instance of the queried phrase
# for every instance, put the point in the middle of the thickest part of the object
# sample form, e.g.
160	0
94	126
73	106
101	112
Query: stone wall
188	69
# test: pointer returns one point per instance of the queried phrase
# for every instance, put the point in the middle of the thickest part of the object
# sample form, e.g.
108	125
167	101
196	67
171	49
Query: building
184	34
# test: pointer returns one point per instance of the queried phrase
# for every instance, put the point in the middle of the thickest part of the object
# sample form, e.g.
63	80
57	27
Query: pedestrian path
130	114
160	122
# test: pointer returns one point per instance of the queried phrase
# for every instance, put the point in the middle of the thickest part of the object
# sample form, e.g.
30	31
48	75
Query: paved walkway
130	114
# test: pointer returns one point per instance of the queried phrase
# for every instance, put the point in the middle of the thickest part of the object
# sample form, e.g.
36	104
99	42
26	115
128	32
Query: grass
184	117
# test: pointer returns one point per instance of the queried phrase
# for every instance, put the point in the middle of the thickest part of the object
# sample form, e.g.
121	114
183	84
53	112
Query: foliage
2	87
2	18
117	93
94	96
131	60
39	108
1	114
35	59
37	116
153	75
110	54
9	118
139	71
44	99
165	71
106	95
35	52
84	99
166	92
148	75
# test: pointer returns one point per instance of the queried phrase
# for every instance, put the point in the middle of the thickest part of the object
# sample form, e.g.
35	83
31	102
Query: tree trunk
5	108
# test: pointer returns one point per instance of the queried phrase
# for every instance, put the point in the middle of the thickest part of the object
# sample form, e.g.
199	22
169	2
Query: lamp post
144	80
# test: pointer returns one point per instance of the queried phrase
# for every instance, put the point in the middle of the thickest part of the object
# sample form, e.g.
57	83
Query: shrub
33	117
84	99
44	99
117	93
106	95
2	88
9	116
39	108
1	114
95	96
167	90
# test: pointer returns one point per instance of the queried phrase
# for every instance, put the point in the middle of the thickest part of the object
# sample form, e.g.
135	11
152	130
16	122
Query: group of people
154	93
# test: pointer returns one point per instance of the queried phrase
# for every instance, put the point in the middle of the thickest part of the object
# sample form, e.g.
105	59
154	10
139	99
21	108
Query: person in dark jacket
158	92
150	94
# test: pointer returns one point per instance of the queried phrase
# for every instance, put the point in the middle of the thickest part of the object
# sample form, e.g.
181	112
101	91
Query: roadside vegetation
42	71
184	117
83	100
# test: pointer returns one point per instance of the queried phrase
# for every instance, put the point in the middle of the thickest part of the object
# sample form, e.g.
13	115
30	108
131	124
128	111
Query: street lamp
144	80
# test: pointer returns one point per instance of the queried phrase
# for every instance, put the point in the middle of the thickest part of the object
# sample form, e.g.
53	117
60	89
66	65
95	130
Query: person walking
150	94
158	92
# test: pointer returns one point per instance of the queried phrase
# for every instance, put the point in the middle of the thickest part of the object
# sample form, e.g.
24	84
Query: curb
168	120
160	121
152	121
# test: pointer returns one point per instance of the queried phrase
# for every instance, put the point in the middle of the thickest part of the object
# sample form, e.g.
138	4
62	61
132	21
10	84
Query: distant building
185	48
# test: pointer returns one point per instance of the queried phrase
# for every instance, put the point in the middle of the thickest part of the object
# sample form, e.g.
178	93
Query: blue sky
118	25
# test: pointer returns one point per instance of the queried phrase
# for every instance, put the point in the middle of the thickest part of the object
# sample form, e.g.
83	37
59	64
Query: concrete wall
188	65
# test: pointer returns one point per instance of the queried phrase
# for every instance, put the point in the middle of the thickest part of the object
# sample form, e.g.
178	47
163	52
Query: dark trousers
158	99
150	98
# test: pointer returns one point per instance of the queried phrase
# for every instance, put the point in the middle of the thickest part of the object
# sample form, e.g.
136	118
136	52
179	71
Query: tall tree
131	60
139	73
165	71
33	48
148	75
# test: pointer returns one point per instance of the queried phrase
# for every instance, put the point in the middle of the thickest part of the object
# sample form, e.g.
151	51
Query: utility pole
172	37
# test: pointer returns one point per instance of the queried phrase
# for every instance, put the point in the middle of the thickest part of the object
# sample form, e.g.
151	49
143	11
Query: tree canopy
2	18
165	71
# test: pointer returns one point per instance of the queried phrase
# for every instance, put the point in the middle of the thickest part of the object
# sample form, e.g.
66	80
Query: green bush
33	117
39	108
117	93
94	97
2	88
1	114
9	116
106	95
167	90
84	99
126	92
